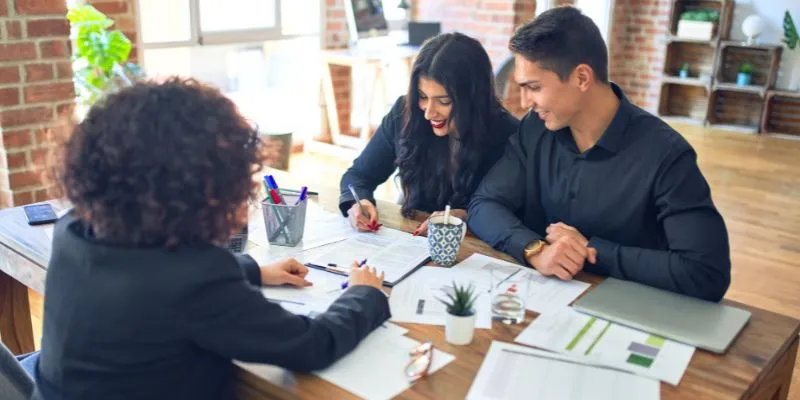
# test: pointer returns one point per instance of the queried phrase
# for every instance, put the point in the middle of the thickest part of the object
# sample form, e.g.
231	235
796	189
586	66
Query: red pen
276	199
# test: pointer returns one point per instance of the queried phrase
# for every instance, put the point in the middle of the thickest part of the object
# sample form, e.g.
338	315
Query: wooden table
757	366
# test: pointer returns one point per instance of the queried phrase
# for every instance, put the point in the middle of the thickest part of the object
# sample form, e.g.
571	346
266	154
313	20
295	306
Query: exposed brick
41	7
9	96
14	29
3	8
39	157
48	27
42	195
64	70
9	74
65	110
110	7
26	116
17	160
25	178
22	198
17	51
49	92
17	139
38	72
54	48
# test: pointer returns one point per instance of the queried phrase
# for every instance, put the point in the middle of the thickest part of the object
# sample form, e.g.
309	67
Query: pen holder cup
285	222
444	239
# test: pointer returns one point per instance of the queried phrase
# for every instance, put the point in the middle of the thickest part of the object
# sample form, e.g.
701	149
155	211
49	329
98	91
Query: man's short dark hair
559	40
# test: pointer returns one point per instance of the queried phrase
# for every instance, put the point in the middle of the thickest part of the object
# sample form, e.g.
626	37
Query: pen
329	268
374	226
361	264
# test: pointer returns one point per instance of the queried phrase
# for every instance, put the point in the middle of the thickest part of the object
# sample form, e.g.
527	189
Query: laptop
419	32
704	324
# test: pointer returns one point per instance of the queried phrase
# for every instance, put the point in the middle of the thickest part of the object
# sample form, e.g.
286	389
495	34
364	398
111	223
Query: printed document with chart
393	252
511	371
571	332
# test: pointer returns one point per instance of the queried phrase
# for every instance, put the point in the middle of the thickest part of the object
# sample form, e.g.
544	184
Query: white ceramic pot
459	330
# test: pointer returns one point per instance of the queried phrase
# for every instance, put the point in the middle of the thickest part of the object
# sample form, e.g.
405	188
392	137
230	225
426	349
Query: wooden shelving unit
781	113
687	100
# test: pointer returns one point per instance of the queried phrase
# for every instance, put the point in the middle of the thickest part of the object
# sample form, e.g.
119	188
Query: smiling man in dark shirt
593	182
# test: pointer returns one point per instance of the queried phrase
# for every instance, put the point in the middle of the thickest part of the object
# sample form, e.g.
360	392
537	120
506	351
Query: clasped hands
564	254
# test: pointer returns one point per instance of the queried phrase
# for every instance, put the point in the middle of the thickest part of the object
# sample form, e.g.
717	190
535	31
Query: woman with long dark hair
443	135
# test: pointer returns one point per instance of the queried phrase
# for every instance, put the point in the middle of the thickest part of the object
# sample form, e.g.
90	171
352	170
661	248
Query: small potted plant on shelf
459	326
698	24
684	71
745	74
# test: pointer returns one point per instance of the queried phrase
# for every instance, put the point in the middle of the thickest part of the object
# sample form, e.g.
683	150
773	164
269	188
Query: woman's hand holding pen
366	221
365	275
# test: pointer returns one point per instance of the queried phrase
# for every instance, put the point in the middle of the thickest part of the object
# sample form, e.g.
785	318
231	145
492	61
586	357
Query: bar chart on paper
571	332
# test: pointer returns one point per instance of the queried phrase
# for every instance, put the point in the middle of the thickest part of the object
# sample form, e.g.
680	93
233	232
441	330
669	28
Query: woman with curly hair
142	300
442	136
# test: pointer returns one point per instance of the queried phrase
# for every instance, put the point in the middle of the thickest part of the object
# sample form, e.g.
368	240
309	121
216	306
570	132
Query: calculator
238	241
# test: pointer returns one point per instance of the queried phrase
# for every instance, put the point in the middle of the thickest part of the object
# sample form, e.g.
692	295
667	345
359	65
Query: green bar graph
640	360
581	334
655	341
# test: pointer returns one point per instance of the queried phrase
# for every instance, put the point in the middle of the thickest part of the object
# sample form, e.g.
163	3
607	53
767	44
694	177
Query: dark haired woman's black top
146	323
379	159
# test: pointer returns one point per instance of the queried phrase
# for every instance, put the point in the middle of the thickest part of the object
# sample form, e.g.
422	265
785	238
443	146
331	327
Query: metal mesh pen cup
285	222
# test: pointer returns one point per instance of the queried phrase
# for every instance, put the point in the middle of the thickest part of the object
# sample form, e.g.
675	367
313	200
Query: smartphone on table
40	214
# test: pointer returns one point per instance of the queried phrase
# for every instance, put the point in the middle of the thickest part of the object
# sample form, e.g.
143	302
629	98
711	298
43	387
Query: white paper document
545	293
601	341
416	299
516	372
376	368
325	290
393	252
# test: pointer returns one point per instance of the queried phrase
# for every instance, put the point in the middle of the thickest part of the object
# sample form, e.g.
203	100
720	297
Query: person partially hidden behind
142	301
442	136
593	182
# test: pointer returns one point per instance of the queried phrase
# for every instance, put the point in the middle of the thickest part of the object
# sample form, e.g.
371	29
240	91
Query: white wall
771	11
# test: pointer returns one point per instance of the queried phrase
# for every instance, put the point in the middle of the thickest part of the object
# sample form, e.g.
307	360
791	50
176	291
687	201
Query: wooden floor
756	186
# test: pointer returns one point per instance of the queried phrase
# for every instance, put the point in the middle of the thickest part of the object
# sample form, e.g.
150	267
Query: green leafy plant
100	58
460	300
746	68
790	35
700	15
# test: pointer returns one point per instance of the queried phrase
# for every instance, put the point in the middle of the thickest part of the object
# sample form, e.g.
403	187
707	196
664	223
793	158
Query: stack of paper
516	372
393	252
601	341
376	368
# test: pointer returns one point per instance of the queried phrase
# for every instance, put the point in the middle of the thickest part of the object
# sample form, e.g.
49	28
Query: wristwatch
534	248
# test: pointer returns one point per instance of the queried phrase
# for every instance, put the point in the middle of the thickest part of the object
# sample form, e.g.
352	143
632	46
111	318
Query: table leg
775	383
15	316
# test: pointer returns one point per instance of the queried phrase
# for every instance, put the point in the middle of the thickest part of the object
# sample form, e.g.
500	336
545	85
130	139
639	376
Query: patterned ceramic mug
444	239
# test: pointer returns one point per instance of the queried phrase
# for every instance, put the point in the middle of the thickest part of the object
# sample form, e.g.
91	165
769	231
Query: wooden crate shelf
683	102
700	56
725	8
781	113
735	110
765	60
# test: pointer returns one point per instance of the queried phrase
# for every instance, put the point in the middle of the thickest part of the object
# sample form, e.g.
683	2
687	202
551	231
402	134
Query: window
600	12
263	54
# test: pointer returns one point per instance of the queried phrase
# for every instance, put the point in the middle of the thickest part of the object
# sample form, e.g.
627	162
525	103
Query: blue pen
344	284
303	193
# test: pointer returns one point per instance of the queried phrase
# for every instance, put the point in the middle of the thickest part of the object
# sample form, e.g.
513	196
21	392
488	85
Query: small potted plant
745	74
684	71
791	38
459	326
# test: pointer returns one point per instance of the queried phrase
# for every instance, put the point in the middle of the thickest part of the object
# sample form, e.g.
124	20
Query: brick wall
35	88
637	49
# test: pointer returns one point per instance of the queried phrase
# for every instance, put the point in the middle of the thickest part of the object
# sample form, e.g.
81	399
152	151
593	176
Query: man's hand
559	230
285	272
563	258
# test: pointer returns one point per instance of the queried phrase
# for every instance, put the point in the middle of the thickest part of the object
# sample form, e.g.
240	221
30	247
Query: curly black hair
162	164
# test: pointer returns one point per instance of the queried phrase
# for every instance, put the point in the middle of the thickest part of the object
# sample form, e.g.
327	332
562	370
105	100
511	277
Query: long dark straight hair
460	64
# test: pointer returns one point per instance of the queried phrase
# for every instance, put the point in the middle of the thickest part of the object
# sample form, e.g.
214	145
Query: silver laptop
700	323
